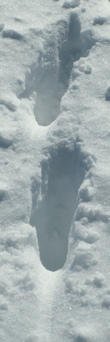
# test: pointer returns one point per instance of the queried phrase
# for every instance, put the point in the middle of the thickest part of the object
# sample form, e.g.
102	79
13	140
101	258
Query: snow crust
55	171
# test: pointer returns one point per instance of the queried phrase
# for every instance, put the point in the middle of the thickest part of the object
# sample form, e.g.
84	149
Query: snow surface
55	171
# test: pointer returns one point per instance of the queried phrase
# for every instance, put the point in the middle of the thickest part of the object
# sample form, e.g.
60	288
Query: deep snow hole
52	215
49	77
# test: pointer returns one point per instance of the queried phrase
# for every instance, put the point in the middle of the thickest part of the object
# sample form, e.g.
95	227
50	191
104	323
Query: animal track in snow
48	78
54	204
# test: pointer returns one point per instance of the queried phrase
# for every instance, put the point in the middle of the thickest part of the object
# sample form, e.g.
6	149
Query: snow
55	171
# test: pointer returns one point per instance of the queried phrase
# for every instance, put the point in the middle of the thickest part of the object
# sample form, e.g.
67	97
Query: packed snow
55	171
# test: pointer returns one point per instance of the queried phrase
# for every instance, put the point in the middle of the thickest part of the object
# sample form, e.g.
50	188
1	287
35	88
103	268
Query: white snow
55	171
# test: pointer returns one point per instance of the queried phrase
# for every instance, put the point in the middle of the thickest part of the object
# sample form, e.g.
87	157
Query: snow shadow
49	77
11	34
62	175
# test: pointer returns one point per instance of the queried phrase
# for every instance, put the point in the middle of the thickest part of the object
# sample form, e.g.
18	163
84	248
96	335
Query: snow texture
55	171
